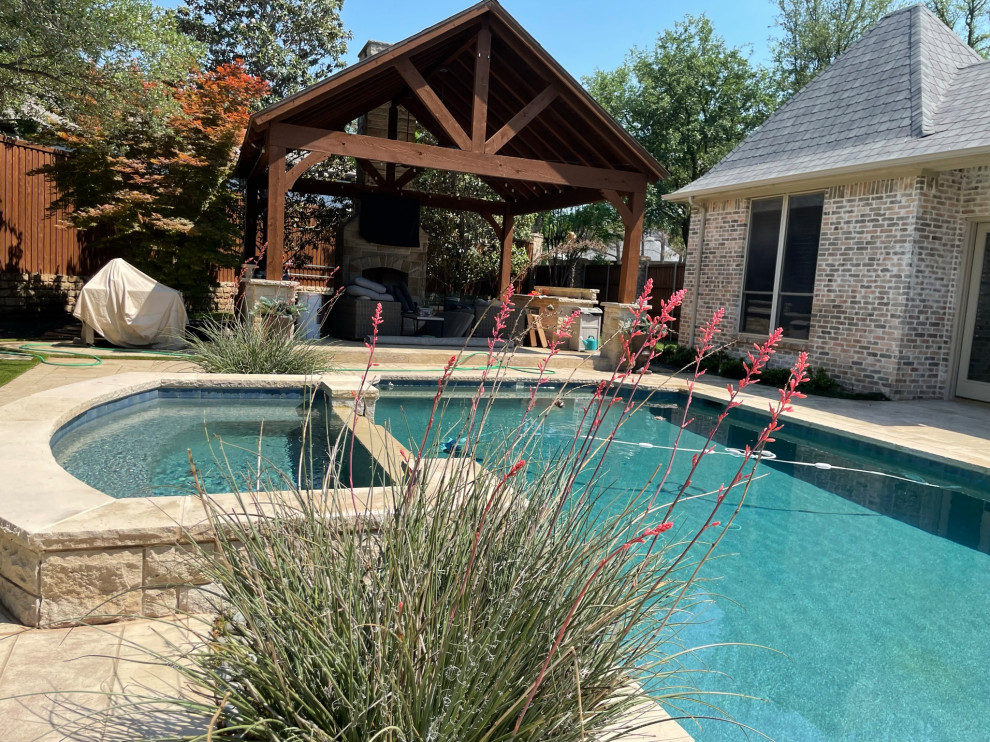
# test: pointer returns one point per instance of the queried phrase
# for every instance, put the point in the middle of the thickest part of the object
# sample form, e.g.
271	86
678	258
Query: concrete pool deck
58	661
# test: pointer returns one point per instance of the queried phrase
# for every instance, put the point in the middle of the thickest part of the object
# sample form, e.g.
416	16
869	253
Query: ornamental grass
498	593
258	345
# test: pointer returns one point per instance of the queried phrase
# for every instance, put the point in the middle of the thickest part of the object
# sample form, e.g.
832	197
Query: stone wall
29	296
865	266
33	295
888	285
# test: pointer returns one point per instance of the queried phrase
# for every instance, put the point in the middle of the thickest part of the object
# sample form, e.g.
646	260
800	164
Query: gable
882	101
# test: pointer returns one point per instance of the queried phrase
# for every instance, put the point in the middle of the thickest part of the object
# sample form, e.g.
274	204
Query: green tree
56	55
814	32
689	100
288	43
968	18
151	180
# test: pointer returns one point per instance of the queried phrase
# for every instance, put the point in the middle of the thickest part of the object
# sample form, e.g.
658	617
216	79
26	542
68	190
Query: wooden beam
518	122
482	68
496	227
369	167
573	197
629	273
621	206
352	190
439	158
250	220
406	178
505	266
275	217
302	166
434	105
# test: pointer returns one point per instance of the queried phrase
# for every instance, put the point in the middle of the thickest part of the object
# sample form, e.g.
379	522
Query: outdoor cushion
370	285
401	292
368	293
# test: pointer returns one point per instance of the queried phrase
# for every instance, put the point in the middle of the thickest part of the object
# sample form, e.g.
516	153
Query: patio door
974	364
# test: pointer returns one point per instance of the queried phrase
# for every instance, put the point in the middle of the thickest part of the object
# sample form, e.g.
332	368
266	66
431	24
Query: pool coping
67	549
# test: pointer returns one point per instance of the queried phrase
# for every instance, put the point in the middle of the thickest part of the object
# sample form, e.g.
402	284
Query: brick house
857	217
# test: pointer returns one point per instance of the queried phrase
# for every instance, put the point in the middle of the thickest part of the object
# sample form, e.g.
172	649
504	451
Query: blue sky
583	35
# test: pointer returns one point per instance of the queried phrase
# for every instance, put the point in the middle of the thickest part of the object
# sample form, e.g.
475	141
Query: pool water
873	587
140	446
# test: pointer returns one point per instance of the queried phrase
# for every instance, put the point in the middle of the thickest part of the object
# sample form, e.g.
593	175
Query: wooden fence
33	240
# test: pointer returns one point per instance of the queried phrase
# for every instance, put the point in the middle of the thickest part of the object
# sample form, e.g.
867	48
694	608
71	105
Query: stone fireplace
359	257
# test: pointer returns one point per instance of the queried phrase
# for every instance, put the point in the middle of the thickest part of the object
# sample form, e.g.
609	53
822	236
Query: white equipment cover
131	309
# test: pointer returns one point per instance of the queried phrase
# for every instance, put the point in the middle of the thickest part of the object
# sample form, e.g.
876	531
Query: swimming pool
872	580
140	446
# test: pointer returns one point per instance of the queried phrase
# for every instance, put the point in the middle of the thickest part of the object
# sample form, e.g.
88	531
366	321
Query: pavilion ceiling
512	116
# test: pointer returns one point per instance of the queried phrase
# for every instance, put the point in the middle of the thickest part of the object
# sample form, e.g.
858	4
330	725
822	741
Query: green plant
731	368
269	307
490	603
678	356
774	376
253	348
819	382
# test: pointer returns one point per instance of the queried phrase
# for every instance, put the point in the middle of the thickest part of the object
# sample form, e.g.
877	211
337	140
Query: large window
780	267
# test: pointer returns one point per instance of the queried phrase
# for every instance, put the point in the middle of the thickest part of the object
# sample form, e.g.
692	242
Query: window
780	268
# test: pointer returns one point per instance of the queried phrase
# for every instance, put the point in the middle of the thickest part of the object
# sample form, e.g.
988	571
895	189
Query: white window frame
778	265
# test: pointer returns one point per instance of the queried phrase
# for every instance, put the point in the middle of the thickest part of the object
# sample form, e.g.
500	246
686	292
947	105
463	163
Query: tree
151	181
54	54
689	100
288	43
815	32
464	254
968	18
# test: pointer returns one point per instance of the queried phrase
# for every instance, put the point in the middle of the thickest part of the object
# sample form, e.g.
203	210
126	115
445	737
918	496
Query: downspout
696	289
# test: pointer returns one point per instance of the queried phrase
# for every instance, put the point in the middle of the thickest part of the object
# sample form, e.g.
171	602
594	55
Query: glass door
974	364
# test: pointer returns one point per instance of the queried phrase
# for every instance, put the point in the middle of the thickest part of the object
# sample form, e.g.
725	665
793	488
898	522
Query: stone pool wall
69	553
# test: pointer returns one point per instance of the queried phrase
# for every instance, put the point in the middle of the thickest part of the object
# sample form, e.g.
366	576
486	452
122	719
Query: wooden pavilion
497	104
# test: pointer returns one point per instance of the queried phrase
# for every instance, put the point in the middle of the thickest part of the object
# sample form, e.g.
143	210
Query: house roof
909	92
570	130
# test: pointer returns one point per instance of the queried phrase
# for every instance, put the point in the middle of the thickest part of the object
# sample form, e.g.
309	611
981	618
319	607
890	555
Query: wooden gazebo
498	106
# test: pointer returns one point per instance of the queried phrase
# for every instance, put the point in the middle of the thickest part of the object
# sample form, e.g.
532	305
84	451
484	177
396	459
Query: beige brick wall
887	289
722	266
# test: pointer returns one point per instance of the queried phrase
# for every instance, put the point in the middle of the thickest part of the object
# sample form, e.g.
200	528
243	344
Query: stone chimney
375	122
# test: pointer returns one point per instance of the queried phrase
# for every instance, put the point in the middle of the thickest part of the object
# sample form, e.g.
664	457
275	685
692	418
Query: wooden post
392	133
482	64
505	268
276	212
251	220
630	247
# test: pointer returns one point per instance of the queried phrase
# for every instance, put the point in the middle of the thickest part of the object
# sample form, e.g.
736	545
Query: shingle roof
910	88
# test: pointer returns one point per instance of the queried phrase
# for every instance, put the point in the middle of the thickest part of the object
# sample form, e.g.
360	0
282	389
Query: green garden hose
28	349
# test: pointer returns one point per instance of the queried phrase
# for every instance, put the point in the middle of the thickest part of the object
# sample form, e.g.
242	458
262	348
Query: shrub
488	603
732	368
256	346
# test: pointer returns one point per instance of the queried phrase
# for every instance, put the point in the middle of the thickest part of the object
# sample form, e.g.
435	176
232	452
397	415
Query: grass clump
255	346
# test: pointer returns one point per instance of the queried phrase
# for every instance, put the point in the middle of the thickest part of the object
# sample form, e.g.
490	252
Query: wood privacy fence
33	240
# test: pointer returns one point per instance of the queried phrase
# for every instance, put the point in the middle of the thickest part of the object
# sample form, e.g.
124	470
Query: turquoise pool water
875	589
139	446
